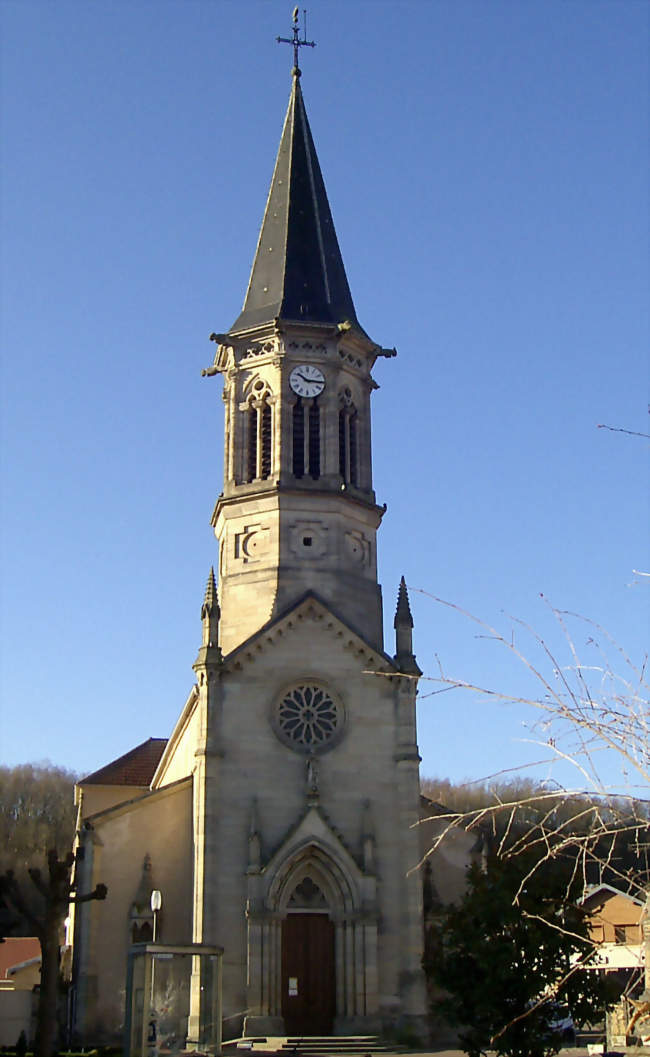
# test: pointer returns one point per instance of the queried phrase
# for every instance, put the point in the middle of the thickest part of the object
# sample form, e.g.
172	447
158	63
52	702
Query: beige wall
611	912
159	825
98	798
16	1015
450	860
178	760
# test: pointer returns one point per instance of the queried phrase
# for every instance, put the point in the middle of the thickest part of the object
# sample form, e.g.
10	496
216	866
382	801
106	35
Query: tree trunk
47	1033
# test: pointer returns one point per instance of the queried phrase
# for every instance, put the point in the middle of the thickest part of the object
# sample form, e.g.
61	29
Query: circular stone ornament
308	718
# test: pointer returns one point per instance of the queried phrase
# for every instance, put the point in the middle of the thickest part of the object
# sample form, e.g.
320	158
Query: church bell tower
298	511
281	815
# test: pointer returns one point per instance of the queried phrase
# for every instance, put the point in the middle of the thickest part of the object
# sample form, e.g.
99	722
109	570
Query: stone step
350	1045
311	1045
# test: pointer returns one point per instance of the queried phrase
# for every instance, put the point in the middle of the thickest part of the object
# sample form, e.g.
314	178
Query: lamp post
156	904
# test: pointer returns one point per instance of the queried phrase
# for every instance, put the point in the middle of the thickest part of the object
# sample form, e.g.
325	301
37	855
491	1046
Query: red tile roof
17	949
136	767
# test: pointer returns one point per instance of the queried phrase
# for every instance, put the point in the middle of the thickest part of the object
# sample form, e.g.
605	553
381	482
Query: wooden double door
308	974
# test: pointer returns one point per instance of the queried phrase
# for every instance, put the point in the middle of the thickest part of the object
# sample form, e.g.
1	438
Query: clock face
307	380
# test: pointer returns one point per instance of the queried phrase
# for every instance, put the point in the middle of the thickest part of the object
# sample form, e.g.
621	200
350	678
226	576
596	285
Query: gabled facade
279	820
616	929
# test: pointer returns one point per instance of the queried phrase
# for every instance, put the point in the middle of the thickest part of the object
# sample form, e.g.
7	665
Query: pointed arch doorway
308	963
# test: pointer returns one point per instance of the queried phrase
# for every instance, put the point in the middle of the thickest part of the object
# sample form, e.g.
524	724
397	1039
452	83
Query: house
20	974
616	928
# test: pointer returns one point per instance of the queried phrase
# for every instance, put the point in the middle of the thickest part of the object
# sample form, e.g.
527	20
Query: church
279	820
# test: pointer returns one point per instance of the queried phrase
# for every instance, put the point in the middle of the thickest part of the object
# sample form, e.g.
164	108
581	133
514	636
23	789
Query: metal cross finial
296	41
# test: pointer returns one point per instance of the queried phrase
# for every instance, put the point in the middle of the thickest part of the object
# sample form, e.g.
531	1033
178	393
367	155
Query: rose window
308	718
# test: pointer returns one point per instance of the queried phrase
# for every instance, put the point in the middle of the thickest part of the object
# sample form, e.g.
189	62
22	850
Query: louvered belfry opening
352	432
348	445
258	439
314	440
251	429
266	435
342	444
298	439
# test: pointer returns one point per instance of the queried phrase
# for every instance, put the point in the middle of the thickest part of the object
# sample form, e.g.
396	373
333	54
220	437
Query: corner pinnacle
210	589
403	616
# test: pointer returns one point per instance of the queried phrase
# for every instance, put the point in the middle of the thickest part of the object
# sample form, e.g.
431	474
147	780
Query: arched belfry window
306	438
258	434
348	439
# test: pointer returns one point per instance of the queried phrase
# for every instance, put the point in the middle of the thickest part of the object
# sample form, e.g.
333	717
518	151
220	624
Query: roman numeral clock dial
307	380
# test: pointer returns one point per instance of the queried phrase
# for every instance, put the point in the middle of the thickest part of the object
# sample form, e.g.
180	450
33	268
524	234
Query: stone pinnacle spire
403	624
403	616
210	612
210	599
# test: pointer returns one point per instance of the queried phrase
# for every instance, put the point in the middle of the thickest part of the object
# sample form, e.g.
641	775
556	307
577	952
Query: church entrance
308	974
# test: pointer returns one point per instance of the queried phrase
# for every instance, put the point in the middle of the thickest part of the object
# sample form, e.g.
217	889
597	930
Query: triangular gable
310	606
603	892
312	827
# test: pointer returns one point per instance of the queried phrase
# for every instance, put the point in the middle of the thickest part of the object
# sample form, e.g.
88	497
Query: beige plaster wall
450	860
178	761
613	910
159	825
27	977
16	1015
98	798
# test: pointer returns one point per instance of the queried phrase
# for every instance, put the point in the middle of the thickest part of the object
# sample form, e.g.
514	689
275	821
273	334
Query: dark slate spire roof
298	271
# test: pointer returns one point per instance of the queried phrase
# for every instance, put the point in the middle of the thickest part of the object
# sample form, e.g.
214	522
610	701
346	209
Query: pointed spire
210	599
403	616
403	624
298	273
210	612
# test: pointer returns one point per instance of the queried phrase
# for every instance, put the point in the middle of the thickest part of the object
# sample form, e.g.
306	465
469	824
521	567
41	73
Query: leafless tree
590	708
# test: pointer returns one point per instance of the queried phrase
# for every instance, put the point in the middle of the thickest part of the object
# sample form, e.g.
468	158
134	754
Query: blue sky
487	166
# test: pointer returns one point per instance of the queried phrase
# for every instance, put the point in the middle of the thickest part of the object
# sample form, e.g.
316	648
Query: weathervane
295	40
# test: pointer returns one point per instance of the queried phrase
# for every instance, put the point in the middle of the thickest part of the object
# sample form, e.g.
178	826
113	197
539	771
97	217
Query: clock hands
310	381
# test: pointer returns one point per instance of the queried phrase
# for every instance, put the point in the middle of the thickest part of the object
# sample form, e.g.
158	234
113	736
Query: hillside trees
37	813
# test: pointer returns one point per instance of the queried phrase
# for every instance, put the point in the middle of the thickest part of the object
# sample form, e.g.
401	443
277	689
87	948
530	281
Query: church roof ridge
298	273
